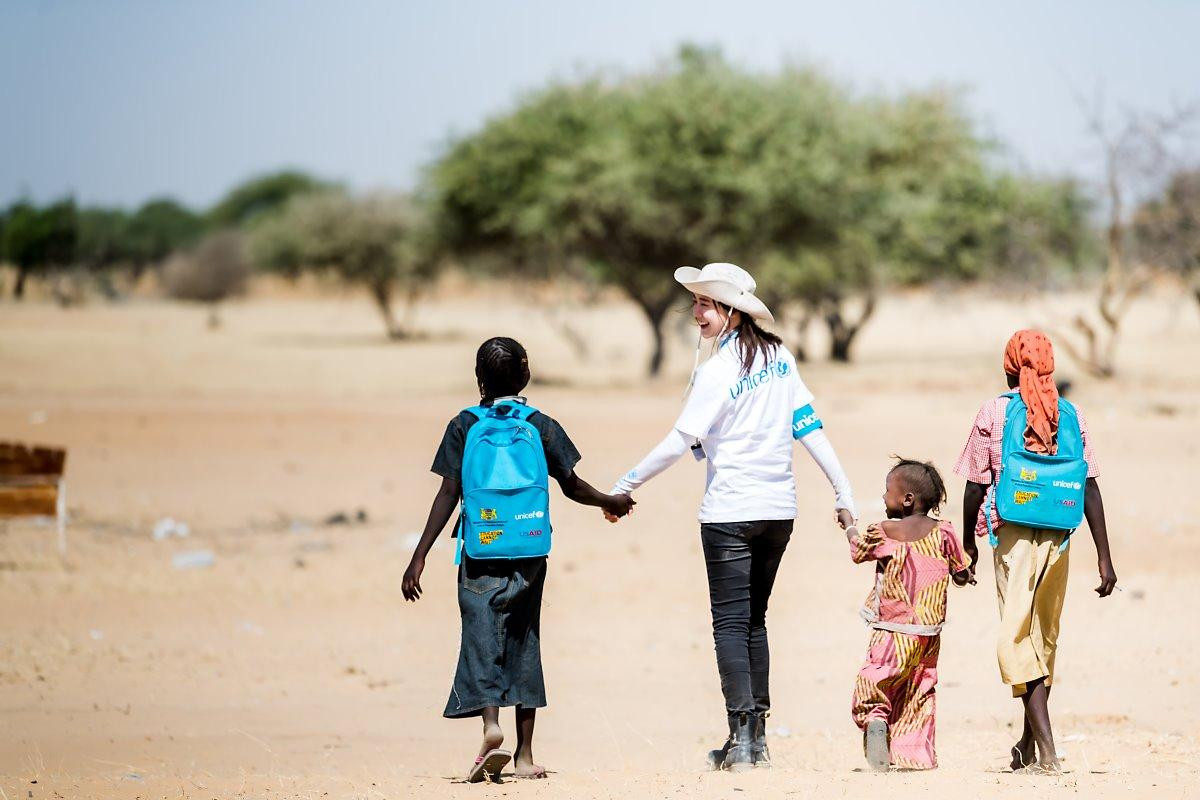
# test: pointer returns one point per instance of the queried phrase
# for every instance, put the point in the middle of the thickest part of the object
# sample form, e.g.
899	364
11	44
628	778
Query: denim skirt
500	657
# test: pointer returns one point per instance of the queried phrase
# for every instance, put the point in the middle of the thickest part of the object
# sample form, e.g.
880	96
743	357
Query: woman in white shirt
747	404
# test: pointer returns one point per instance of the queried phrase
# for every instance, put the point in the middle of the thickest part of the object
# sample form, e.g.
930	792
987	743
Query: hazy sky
116	102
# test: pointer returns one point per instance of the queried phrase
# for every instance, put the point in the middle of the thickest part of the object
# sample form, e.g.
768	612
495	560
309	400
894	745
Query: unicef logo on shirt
772	371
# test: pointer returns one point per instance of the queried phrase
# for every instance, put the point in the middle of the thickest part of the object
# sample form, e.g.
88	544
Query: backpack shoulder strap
460	532
1070	433
1014	413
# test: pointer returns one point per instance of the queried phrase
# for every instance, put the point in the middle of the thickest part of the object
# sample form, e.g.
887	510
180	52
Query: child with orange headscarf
1031	564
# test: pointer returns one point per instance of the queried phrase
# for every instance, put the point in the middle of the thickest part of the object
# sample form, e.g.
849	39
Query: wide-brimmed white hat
726	283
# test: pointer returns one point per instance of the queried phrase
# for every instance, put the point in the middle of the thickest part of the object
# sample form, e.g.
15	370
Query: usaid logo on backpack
505	486
1039	490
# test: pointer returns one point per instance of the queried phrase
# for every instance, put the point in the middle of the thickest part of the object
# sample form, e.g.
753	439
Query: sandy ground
292	667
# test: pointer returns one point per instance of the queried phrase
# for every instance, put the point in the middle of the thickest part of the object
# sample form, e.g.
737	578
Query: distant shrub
214	271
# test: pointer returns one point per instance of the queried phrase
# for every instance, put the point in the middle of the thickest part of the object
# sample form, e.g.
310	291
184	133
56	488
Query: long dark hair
752	340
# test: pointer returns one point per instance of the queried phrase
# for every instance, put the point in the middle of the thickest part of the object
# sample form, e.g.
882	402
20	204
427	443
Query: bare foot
1023	753
523	767
493	737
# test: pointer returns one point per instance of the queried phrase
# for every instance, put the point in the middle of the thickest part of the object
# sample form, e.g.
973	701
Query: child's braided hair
923	480
501	367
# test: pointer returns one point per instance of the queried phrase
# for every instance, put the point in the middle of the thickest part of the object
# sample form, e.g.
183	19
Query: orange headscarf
1030	356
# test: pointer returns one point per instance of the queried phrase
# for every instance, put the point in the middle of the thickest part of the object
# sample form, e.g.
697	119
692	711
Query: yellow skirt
1031	584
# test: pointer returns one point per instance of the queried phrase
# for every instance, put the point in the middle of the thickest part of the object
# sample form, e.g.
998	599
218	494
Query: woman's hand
617	506
410	587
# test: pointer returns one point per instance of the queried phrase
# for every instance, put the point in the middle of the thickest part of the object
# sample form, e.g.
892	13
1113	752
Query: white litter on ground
168	527
193	559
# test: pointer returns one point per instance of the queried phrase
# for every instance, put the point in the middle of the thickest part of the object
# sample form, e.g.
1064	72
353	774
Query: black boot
716	758
762	756
740	753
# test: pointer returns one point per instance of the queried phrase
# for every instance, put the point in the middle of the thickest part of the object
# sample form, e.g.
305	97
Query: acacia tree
103	238
1041	230
378	242
825	196
809	227
158	228
633	178
916	201
39	240
102	245
261	195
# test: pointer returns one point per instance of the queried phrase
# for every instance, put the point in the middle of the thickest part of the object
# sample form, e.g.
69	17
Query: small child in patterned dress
915	557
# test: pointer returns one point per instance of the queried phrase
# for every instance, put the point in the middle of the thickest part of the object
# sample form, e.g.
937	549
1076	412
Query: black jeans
742	559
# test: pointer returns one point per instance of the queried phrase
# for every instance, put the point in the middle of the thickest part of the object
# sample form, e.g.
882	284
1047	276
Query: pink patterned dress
906	610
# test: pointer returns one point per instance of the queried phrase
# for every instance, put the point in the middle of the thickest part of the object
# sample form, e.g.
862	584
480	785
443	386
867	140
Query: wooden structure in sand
31	485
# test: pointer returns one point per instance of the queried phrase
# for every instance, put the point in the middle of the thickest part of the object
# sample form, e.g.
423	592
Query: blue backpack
505	486
1035	489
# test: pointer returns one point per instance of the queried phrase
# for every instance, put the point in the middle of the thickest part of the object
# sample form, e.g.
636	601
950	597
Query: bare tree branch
1138	151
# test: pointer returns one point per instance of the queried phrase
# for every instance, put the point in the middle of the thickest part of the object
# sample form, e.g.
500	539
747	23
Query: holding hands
846	521
616	506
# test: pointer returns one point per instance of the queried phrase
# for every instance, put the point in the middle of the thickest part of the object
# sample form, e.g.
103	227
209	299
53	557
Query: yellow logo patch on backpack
1022	498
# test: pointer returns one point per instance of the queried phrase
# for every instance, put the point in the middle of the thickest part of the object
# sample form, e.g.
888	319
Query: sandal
875	745
488	766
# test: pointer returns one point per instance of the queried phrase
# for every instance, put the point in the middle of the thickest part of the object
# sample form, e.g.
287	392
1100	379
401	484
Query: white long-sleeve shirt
746	424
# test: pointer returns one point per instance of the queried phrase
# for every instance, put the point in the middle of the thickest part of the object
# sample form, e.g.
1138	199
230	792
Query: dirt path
292	668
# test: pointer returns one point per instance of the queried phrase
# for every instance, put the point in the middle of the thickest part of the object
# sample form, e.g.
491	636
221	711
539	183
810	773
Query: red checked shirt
980	458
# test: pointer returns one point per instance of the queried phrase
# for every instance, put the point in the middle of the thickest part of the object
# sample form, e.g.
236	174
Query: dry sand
292	667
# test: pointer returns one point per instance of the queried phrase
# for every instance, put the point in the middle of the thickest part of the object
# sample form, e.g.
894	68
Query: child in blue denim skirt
500	600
